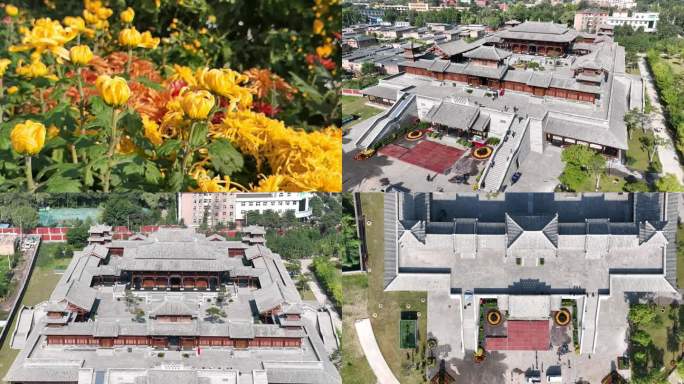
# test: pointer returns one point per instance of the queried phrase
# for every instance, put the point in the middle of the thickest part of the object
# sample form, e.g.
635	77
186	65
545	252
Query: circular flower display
562	317
414	135
365	154
482	152
494	317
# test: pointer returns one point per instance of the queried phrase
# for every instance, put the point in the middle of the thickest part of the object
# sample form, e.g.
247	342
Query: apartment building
223	208
646	20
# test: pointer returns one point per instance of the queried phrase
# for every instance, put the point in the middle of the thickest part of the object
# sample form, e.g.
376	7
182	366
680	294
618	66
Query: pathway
666	153
320	295
382	371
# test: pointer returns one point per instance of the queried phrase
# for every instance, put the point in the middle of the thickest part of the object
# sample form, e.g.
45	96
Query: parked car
515	177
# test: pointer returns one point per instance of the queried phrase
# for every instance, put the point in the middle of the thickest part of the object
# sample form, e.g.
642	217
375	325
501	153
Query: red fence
118	232
351	92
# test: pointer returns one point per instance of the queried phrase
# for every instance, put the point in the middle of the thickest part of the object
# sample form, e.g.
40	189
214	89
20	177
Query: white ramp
382	371
326	330
589	322
24	326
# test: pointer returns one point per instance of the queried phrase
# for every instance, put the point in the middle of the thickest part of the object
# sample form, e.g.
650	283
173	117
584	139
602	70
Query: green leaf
62	184
199	134
102	113
224	157
176	181
169	147
133	169
55	142
149	83
152	173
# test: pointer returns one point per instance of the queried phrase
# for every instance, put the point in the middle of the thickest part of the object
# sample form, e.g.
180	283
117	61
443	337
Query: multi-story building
646	20
419	6
531	86
588	20
619	4
280	202
537	265
232	207
174	307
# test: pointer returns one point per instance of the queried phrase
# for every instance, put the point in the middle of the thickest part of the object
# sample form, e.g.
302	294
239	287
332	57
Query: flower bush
100	100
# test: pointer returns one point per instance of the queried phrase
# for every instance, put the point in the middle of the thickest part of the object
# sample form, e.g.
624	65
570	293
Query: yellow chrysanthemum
4	63
34	70
114	91
78	24
183	73
152	132
81	54
127	16
197	104
227	83
46	35
11	10
304	161
28	138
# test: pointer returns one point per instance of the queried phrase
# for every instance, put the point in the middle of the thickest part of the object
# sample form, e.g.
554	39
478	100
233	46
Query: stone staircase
381	126
670	232
589	322
498	164
390	239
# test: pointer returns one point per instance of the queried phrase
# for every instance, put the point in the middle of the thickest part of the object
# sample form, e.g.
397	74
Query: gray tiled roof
482	71
539	79
539	31
453	115
254	230
485	52
75	293
380	91
174	307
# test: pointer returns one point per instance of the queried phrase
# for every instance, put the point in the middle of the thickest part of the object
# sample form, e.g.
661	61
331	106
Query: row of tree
584	167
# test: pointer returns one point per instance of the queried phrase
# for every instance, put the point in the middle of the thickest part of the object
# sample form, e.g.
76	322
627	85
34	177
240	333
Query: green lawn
607	184
387	306
42	282
306	294
638	157
352	105
355	368
663	338
680	256
361	82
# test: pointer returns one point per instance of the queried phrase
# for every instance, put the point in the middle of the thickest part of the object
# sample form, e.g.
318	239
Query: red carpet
532	335
426	154
393	150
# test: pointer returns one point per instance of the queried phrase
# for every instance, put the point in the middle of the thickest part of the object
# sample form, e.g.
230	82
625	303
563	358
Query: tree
641	314
214	314
139	315
581	162
641	337
669	183
367	68
77	236
649	143
204	225
119	209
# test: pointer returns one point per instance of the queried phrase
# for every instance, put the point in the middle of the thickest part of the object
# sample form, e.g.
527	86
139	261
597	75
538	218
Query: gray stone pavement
365	175
666	153
539	171
444	324
490	270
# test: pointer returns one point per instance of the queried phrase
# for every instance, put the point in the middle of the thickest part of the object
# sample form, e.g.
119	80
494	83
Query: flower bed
415	135
92	103
562	317
483	152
